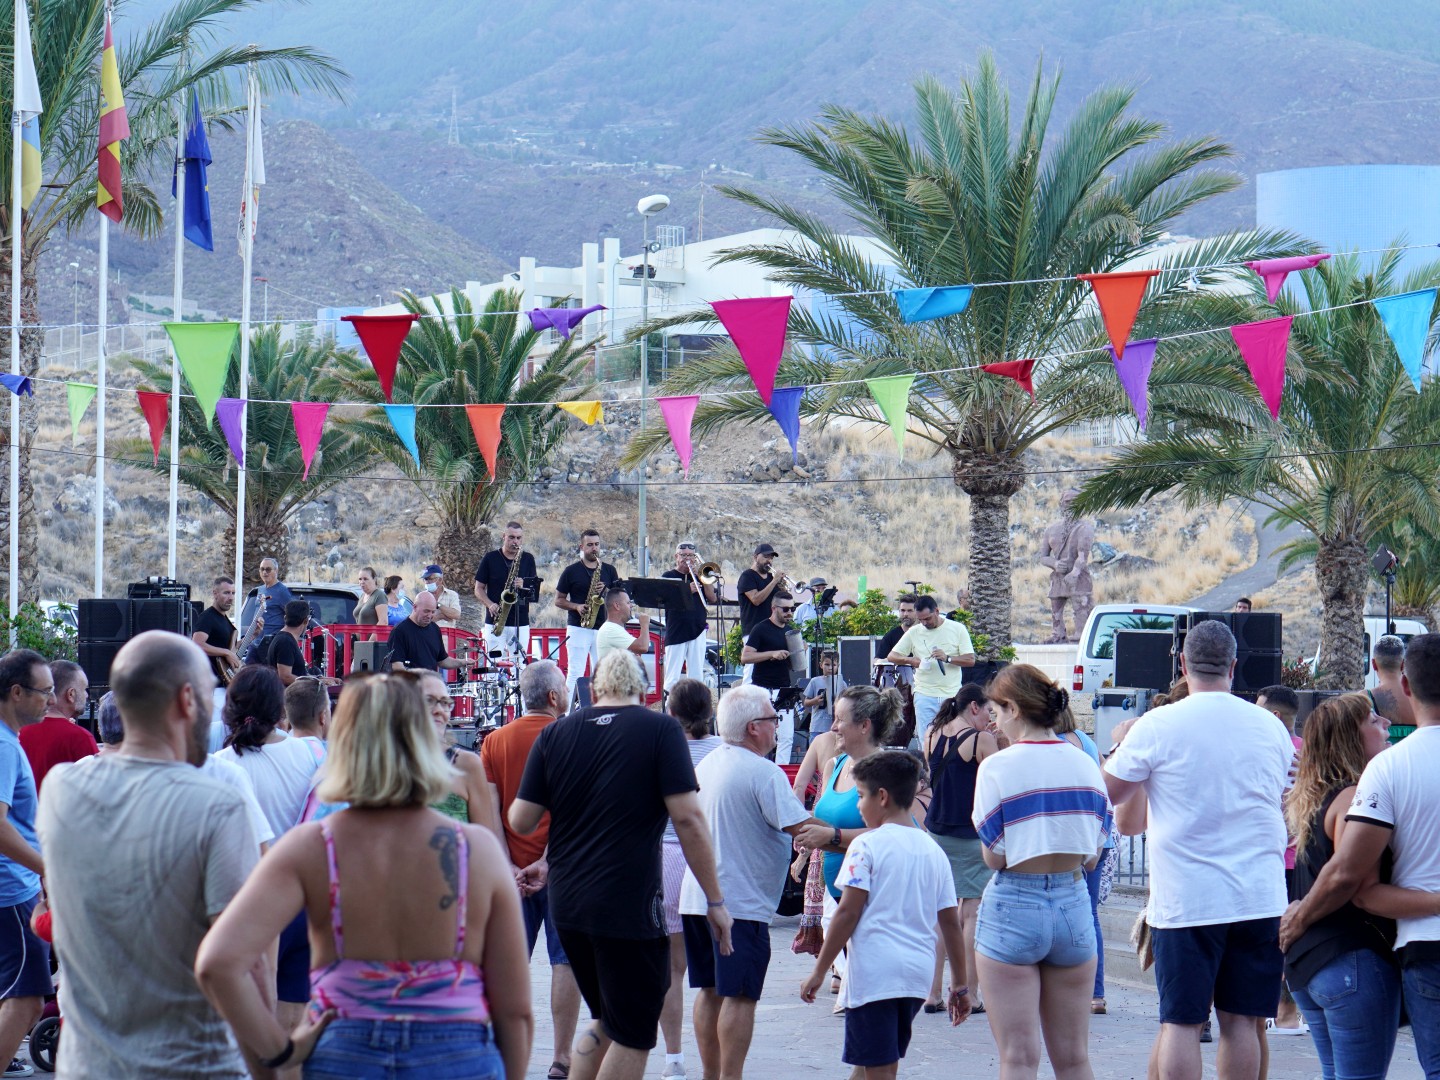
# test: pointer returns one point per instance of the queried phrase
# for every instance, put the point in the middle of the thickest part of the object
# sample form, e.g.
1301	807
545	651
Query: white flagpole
247	249
179	316
16	168
100	410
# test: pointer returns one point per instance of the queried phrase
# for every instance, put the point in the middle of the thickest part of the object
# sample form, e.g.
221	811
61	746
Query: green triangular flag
78	396
203	350
892	394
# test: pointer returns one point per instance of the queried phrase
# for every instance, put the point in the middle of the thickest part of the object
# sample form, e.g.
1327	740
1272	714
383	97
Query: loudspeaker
1256	630
1257	669
95	659
1142	658
1308	700
368	655
172	613
104	619
582	692
855	656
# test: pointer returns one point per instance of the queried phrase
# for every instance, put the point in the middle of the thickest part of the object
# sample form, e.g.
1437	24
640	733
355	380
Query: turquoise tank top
838	809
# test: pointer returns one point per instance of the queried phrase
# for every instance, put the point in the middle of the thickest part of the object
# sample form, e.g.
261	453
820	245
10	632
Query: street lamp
647	207
75	309
266	283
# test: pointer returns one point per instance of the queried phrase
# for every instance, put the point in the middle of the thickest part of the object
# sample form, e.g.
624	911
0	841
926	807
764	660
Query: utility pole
454	139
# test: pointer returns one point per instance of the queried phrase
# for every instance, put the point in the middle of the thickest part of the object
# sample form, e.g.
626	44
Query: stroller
45	1035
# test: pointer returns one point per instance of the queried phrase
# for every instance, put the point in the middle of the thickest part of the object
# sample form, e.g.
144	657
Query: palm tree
276	488
157	66
461	359
968	198
1342	462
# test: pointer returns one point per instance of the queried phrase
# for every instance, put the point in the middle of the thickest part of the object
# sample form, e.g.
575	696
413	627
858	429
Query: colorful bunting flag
198	226
892	394
229	412
114	127
485	423
203	350
562	320
156	407
591	412
402	419
382	336
757	326
1262	346
1134	371
19	385
679	412
785	408
1407	320
309	418
1019	370
28	104
1119	297
917	305
78	396
1274	271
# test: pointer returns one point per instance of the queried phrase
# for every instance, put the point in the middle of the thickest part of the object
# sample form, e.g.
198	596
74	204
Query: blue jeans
535	909
1422	1002
1352	1005
1092	886
1036	919
405	1050
925	709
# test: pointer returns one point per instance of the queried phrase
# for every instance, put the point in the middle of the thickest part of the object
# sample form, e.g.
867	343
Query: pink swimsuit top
451	989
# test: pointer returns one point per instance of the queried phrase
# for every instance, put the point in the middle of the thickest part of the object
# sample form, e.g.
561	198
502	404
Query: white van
1095	655
1405	629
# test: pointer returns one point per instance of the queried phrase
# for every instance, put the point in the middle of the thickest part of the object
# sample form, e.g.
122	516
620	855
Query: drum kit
489	698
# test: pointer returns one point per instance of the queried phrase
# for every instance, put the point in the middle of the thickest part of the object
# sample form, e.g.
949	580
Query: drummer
415	642
768	649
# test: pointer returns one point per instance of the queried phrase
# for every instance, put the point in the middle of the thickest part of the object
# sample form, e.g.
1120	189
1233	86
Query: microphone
941	665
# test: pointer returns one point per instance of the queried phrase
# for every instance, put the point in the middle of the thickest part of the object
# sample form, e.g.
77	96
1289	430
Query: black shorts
292	966
24	958
878	1032
623	981
742	973
1239	965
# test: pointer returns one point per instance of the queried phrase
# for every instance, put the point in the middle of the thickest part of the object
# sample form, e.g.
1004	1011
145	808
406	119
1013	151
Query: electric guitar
224	670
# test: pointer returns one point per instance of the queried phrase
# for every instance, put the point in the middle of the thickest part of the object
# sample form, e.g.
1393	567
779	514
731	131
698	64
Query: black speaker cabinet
171	613
104	619
1257	669
1142	658
368	655
1257	631
856	653
96	658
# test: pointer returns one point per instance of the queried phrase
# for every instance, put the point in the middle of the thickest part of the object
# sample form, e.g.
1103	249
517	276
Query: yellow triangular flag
589	411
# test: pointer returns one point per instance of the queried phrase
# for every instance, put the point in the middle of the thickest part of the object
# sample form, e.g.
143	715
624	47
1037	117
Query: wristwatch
835	840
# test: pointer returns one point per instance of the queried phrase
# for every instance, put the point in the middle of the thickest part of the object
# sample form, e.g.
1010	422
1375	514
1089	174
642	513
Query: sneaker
1205	1035
673	1071
1273	1028
19	1068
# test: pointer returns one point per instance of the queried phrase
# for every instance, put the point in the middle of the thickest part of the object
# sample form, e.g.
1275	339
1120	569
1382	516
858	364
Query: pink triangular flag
309	419
1274	271
757	326
1262	346
678	413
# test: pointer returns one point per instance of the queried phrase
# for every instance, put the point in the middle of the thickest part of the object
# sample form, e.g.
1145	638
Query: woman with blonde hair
414	919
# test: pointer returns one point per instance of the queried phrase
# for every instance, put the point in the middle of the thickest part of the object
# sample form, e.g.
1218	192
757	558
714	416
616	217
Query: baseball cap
765	549
433	570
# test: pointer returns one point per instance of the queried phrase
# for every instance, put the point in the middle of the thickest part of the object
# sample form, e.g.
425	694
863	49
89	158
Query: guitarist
214	632
573	593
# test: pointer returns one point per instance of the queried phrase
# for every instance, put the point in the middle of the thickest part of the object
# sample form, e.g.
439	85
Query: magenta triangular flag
757	326
678	413
228	411
1134	371
309	417
1262	346
1274	271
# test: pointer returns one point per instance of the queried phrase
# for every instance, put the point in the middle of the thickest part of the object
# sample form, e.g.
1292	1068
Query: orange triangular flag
1119	297
485	423
589	411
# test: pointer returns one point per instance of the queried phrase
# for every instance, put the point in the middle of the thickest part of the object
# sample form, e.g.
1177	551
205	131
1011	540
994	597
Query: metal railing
1133	867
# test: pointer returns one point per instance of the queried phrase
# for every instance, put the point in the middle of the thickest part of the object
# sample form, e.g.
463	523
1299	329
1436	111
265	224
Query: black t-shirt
494	568
604	774
574	585
419	646
771	674
889	641
751	614
286	650
687	622
219	631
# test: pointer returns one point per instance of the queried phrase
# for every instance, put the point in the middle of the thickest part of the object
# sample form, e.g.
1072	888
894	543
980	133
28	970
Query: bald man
416	643
142	852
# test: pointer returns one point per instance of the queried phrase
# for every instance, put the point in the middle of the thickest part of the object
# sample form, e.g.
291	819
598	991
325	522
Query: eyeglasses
772	718
435	701
43	691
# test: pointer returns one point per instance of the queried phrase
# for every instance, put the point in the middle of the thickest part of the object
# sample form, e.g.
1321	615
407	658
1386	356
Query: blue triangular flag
197	184
402	419
19	385
917	305
785	408
1407	318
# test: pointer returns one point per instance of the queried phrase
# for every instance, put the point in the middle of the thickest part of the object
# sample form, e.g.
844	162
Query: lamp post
75	309
266	283
648	207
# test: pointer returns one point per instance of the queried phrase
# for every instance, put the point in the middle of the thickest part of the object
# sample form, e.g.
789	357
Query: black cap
765	549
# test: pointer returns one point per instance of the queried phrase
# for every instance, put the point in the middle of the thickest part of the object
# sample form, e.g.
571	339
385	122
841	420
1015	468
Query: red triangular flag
309	417
485	423
757	326
156	407
1019	370
1119	297
1262	346
382	336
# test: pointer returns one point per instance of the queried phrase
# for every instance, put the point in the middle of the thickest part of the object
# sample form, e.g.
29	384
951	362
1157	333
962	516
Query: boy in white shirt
896	885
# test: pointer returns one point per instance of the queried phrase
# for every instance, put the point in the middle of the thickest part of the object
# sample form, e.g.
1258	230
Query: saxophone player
580	592
507	567
685	625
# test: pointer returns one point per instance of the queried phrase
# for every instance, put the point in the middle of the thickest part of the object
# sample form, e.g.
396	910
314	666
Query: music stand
658	592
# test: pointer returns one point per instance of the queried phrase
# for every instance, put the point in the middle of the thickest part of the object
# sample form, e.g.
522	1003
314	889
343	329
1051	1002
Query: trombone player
685	623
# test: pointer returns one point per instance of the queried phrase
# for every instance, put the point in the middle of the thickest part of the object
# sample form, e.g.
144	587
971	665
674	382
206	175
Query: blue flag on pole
197	185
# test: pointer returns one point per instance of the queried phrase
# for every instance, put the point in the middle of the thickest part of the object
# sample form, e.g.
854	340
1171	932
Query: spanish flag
29	106
114	127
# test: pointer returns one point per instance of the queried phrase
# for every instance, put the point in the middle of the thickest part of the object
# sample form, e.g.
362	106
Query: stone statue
1066	551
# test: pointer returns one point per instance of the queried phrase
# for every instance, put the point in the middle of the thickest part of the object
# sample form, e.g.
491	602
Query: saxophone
508	596
595	601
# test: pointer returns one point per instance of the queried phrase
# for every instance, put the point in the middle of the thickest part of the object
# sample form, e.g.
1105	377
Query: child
820	695
896	886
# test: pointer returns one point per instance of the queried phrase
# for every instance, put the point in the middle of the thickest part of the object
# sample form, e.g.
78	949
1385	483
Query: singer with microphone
285	655
937	649
416	643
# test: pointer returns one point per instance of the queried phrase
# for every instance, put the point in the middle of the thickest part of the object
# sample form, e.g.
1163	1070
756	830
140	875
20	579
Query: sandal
834	984
1097	1006
558	1071
978	1007
933	1008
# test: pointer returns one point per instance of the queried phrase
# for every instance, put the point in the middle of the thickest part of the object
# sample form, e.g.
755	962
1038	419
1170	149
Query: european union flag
197	188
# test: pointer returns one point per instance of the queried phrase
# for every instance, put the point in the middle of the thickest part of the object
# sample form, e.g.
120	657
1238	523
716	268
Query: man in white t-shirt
752	814
612	635
1214	769
1397	805
937	649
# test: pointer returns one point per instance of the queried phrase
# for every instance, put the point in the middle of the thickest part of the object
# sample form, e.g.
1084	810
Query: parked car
331	603
1405	629
1095	655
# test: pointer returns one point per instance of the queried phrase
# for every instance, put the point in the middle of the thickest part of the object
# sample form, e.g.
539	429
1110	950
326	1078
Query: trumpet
786	584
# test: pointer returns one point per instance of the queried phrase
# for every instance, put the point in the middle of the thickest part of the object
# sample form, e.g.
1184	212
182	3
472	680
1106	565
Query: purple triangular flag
785	408
1134	371
562	320
228	411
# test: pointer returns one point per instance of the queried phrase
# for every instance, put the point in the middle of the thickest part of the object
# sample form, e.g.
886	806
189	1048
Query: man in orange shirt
504	753
58	738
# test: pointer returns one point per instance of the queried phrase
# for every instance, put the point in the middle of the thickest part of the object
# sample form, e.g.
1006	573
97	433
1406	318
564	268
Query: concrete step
1117	919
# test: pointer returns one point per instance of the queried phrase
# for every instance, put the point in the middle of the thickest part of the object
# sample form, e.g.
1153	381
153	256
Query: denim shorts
405	1050
1036	919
